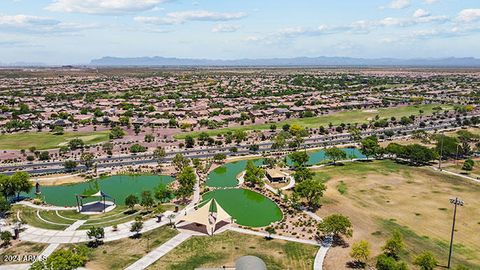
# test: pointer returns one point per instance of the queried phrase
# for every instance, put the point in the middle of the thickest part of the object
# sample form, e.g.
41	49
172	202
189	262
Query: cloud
36	24
102	6
399	4
185	16
469	15
430	1
420	13
225	28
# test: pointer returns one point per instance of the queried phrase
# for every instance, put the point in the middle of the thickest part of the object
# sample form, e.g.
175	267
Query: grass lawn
64	218
46	140
20	249
351	116
29	216
383	196
223	249
120	254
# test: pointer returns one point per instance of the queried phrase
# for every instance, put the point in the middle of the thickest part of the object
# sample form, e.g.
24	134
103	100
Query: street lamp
441	153
455	202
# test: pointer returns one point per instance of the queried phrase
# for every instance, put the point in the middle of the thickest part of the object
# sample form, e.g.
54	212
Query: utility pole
441	153
455	202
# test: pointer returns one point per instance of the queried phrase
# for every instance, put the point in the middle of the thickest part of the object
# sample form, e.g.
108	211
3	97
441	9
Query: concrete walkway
159	252
322	253
456	174
274	236
38	235
45	207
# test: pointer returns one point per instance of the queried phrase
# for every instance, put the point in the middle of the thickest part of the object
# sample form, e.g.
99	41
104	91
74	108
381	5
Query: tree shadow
356	265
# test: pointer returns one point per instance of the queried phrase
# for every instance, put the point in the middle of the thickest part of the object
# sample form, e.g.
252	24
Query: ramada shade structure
205	216
102	195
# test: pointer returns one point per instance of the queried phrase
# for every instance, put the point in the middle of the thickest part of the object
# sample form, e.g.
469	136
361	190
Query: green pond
118	187
319	156
247	207
226	175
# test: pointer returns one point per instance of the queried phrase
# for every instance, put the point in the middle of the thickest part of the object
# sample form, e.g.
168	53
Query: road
312	142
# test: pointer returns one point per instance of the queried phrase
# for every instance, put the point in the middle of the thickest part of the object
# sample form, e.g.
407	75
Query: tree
385	262
87	159
4	206
70	165
239	135
76	144
6	237
44	155
65	259
21	182
186	179
189	142
180	162
270	230
149	138
219	157
137	148
116	133
159	154
253	174
311	190
361	251
136	129
131	200
137	226
163	193
394	245
468	165
301	174
147	199
337	225
58	130
335	154
426	261
97	234
447	146
299	158
370	146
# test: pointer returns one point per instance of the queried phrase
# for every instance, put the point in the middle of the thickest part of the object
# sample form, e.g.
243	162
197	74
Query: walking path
457	174
159	252
322	253
45	207
46	252
38	235
280	237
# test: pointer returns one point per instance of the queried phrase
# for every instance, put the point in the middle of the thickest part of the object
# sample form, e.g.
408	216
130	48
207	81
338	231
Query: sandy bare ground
58	179
415	198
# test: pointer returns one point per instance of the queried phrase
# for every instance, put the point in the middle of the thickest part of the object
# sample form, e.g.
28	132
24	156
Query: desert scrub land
383	196
223	250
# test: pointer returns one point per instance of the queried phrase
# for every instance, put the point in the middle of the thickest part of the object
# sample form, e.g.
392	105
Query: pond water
118	187
226	175
247	207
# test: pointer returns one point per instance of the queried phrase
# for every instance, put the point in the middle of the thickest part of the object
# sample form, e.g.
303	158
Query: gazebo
99	206
206	216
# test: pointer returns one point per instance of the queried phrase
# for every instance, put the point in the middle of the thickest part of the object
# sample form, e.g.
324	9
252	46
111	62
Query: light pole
441	153
455	202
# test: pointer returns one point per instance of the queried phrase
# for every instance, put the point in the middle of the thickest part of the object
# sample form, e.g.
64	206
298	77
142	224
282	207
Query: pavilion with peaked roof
205	216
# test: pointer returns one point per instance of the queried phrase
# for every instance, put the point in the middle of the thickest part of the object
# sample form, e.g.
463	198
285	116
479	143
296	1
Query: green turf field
46	140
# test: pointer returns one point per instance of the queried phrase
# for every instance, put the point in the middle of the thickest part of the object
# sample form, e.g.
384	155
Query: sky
76	31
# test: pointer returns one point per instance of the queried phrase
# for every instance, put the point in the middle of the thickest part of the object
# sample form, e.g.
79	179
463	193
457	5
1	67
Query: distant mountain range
158	61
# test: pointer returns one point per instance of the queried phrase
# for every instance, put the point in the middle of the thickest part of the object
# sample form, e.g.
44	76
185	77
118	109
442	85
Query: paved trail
159	252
